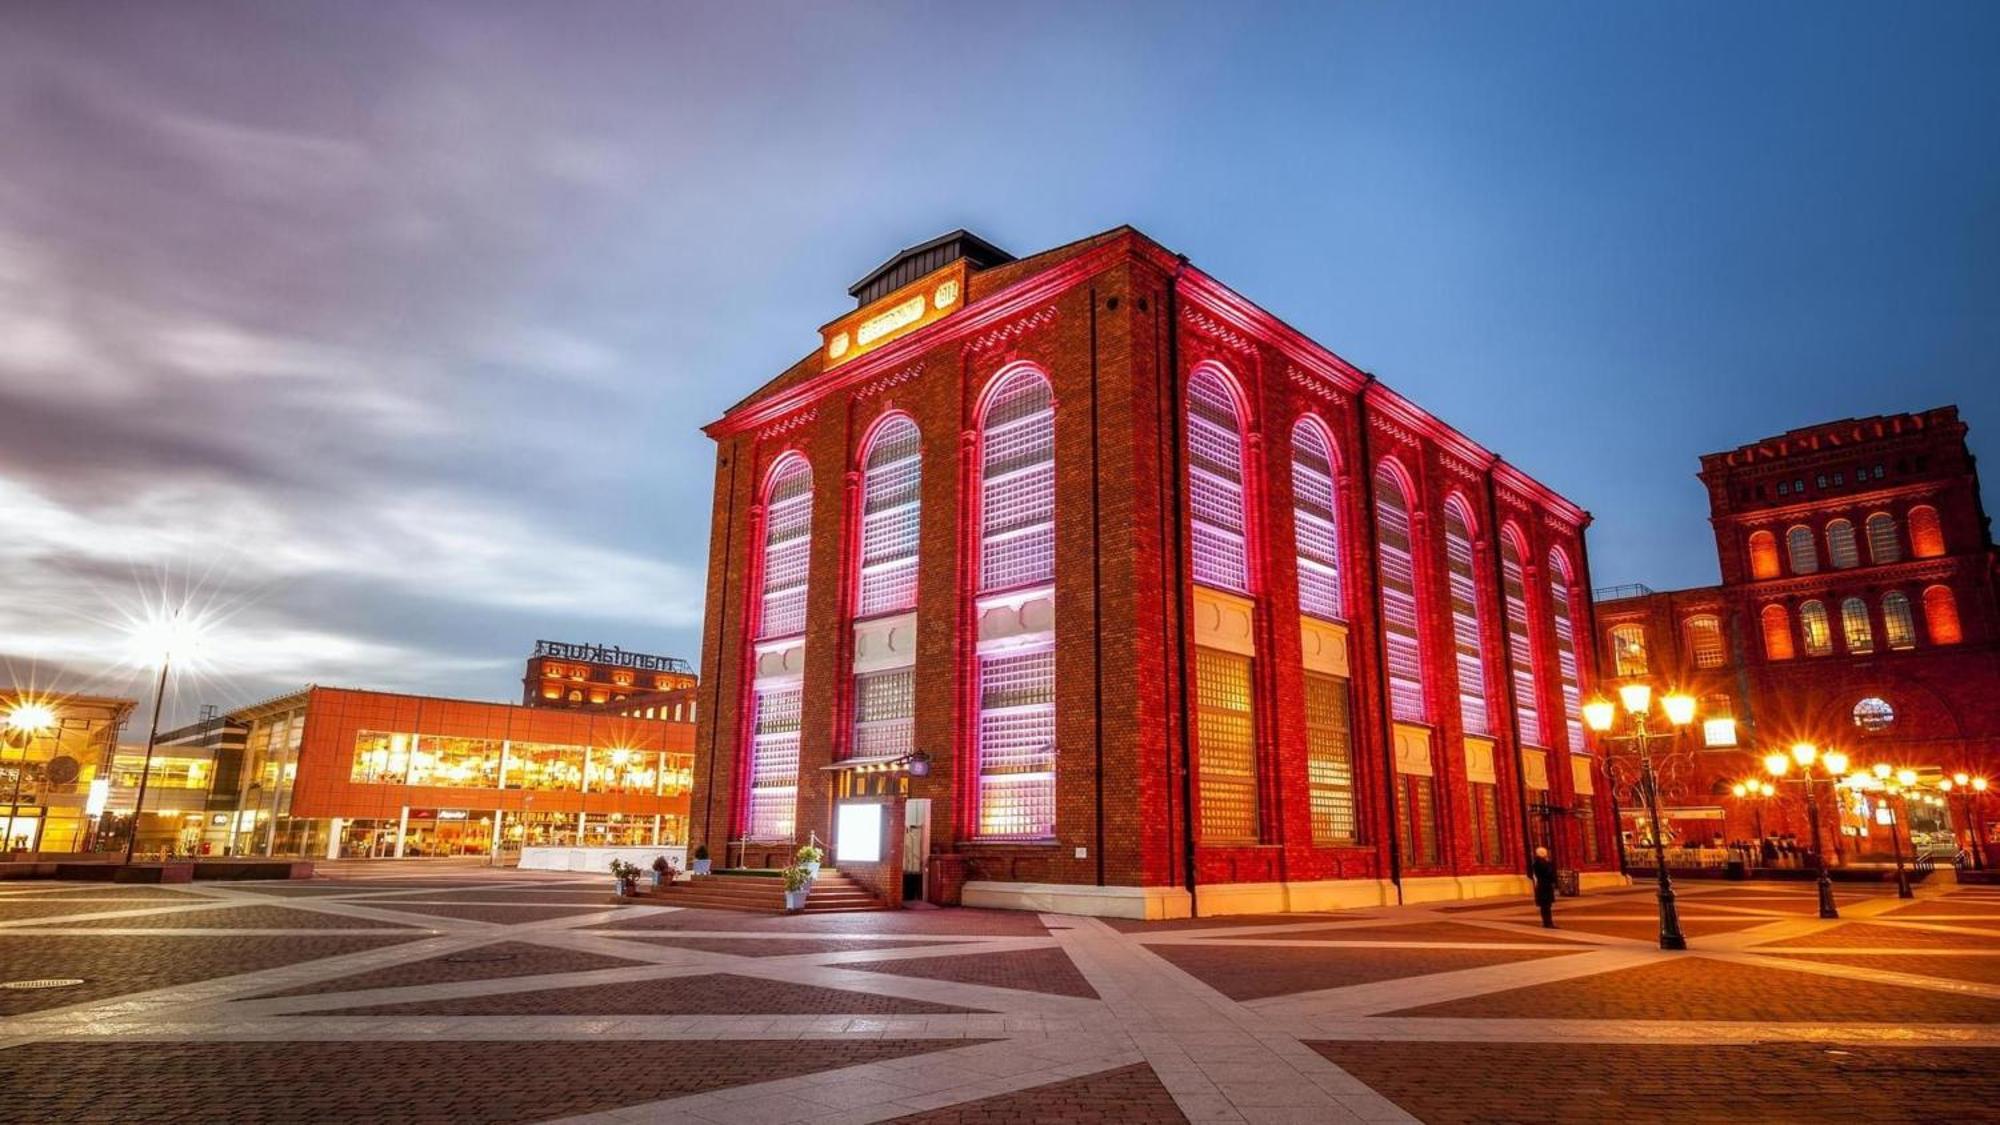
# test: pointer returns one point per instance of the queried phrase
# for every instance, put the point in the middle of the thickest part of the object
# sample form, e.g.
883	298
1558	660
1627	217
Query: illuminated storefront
57	756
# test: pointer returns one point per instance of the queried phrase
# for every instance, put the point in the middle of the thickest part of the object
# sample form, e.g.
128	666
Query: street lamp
1835	764
1962	784
1679	709
1758	791
1890	786
159	639
25	723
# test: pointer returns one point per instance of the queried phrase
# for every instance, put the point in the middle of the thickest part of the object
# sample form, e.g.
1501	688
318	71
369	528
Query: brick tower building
1856	610
1082	583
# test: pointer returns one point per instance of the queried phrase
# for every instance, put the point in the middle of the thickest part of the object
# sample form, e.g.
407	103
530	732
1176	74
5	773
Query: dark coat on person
1543	872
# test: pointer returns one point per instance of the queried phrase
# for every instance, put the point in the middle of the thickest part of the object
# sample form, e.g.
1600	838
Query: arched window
1628	649
1926	535
1763	555
1215	483
1017	676
1520	644
1467	637
775	701
1314	515
1855	626
1941	616
1566	662
1777	633
1883	544
1802	551
1704	640
1399	597
1841	549
1899	628
1817	630
890	513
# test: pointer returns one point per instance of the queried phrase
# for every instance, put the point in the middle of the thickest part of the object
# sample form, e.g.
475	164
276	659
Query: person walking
1543	871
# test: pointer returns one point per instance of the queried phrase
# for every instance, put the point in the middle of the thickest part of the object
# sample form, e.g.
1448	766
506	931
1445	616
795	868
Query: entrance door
916	846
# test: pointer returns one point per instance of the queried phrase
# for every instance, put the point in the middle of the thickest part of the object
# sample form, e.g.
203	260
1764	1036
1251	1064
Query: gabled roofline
959	235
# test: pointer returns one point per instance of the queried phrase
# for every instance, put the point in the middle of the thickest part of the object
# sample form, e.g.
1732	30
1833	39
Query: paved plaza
425	993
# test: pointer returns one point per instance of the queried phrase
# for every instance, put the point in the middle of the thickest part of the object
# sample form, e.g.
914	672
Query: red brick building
1856	611
578	676
1109	592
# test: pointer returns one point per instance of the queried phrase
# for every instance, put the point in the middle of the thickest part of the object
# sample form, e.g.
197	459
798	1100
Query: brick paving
238	918
712	994
772	947
1979	970
1034	970
1468	1083
1223	921
1252	972
991	923
140	893
504	913
1950	904
1648	929
1894	937
1128	1094
63	906
114	965
1416	931
481	962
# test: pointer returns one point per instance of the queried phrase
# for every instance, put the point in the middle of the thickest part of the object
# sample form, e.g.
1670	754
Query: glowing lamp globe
1598	714
1680	708
31	718
1979	785
1882	770
1907	777
1740	789
1636	697
1836	762
1960	777
1777	764
1804	752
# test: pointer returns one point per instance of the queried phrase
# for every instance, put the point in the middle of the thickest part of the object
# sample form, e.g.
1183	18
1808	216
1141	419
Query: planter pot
812	869
659	879
703	866
795	901
628	887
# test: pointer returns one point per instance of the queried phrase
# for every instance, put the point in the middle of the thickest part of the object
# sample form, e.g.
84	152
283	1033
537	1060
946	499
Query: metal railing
1627	590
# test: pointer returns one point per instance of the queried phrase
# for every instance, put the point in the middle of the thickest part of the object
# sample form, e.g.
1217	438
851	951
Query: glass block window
885	710
787	548
1704	640
1226	745
1017	744
1566	663
1399	599
1815	626
892	472
1416	819
1777	633
1801	550
1215	484
1466	635
774	763
1884	545
1330	759
1521	647
1926	535
1841	548
1763	555
1899	628
1314	516
1017	492
1941	616
1486	813
1628	649
1855	626
1586	823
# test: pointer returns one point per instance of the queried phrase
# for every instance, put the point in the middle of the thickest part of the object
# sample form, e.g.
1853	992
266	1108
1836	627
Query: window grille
1416	820
1318	527
1486	807
1527	697
774	763
1884	545
1017	489
1215	484
1763	554
1804	553
1817	629
1841	549
884	713
1855	627
1926	535
1566	663
1017	744
1704	639
1330	759
1227	745
890	519
1628	649
1941	615
1467	638
1399	599
787	548
1777	633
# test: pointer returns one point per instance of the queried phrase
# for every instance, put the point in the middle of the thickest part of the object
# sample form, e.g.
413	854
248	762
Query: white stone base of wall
597	861
1592	880
1155	904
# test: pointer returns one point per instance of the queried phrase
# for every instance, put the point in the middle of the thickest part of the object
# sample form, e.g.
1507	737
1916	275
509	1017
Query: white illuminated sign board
858	834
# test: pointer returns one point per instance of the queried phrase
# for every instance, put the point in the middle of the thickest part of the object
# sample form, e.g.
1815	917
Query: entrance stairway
763	892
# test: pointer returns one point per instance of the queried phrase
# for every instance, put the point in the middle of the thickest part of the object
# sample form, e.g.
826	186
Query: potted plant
663	871
798	884
701	860
627	875
808	857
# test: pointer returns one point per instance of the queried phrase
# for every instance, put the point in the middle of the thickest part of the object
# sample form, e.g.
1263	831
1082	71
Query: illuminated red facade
1856	611
1101	589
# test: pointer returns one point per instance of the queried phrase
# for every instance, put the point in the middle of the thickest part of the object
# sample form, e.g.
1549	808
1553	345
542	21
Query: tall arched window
1855	627
1467	637
1704	640
1215	484
1628	649
1017	673
1926	534
1899	628
1399	597
1884	546
890	514
1801	550
1763	555
1941	616
1815	627
1566	663
785	558
1520	643
1841	549
1777	633
1317	521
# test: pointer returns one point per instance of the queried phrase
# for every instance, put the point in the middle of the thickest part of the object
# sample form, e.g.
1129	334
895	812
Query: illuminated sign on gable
924	301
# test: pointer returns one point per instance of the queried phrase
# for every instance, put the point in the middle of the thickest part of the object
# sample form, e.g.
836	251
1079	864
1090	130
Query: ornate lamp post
1961	784
1835	764
25	723
160	640
1883	772
1679	709
1758	791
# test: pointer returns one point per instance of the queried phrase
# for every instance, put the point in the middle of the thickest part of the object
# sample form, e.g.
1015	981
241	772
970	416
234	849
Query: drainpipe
1596	669
1373	557
715	711
1096	592
1178	571
1507	655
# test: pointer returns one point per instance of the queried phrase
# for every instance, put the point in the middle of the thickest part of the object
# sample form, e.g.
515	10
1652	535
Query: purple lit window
1313	514
1215	484
1017	484
1465	631
774	763
787	548
890	511
1399	599
1566	665
1527	695
1017	744
885	710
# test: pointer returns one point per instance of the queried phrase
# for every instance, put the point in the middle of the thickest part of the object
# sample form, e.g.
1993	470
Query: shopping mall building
60	767
1079	582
